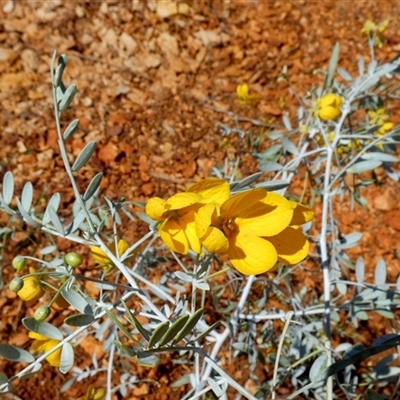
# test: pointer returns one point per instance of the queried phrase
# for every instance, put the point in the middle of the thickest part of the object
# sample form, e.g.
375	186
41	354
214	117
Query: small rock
128	42
385	202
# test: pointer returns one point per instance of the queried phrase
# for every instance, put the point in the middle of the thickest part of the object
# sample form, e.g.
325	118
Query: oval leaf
67	358
27	196
84	156
380	272
363	166
318	367
13	353
43	328
53	202
27	218
158	333
76	301
8	187
93	186
174	329
360	269
190	324
79	320
147	359
67	97
71	128
56	221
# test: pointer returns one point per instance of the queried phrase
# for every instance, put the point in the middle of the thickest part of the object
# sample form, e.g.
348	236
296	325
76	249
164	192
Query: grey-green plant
302	353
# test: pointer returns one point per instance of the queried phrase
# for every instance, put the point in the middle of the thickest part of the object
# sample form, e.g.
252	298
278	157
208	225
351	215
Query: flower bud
16	284
73	259
99	394
32	290
19	263
42	313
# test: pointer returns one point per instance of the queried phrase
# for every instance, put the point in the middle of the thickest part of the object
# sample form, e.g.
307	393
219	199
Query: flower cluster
244	96
255	228
375	32
328	107
93	394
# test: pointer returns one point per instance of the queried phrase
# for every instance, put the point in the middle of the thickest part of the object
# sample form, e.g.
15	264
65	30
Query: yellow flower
93	394
329	107
256	229
385	128
45	344
243	95
369	27
378	117
32	289
101	257
177	227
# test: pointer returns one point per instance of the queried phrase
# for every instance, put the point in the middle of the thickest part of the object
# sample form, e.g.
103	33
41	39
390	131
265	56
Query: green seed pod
16	284
42	313
73	259
19	263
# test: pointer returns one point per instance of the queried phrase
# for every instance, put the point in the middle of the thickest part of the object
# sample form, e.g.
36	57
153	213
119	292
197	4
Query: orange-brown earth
154	80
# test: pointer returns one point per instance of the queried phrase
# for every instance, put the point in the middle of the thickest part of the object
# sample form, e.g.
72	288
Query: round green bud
42	313
19	263
73	259
16	284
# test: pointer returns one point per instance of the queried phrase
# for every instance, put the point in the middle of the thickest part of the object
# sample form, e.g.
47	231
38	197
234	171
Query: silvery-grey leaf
71	129
54	202
67	98
8	187
27	196
13	353
380	272
269	166
84	156
332	65
67	358
344	74
93	186
55	220
25	215
363	166
43	328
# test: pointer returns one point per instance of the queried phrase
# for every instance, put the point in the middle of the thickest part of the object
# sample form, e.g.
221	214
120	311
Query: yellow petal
212	190
203	219
242	90
188	225
301	214
329	113
251	255
155	208
55	357
99	255
37	336
242	204
182	200
32	289
291	245
267	217
123	246
214	241
173	237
